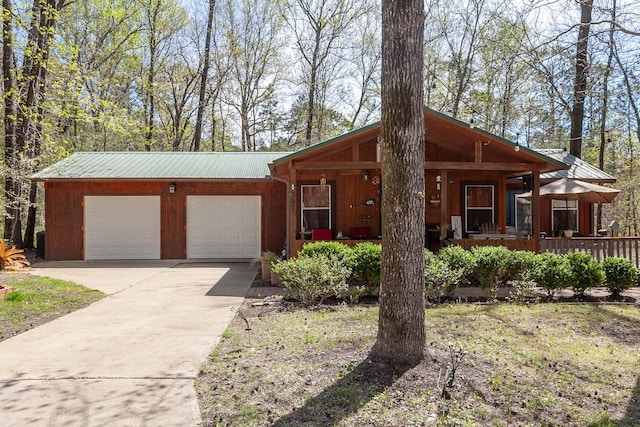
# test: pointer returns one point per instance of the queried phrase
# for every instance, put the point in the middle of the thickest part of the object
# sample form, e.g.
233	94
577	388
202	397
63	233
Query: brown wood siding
64	214
350	192
585	218
585	215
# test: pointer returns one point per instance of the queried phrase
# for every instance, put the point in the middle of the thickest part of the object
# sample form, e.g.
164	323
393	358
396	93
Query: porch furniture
360	233
433	239
489	228
456	226
321	234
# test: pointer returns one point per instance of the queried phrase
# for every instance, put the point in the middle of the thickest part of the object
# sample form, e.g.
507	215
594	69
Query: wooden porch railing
598	247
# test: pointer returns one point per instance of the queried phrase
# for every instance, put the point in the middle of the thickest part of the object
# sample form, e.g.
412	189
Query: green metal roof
161	165
578	168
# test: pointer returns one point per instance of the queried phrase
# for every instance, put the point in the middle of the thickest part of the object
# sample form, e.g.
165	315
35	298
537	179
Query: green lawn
536	365
37	300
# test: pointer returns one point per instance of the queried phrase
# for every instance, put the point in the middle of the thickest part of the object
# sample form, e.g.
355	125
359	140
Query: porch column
502	205
535	210
444	179
291	212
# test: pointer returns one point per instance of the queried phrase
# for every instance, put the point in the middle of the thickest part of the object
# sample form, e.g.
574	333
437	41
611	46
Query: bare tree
365	59
318	25
254	40
605	107
580	84
401	328
163	21
180	82
203	78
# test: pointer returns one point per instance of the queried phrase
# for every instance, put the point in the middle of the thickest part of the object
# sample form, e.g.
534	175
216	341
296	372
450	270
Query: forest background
280	75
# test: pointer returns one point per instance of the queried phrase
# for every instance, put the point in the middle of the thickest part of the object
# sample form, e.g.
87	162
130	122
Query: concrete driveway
128	360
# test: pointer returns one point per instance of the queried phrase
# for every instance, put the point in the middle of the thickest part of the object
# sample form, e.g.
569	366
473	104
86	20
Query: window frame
563	207
466	186
329	208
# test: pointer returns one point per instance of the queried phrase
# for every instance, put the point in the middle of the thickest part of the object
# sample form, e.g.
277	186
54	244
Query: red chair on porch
360	232
321	234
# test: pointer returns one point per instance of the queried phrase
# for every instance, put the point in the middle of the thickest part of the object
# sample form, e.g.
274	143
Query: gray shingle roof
161	165
579	169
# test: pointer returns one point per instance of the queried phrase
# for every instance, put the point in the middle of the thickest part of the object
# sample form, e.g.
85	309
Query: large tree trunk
401	328
203	81
580	83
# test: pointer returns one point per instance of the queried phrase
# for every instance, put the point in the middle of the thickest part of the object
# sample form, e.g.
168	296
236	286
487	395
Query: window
564	215
478	206
315	209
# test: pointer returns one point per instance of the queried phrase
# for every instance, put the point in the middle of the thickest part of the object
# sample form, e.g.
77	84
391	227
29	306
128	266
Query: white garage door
122	227
223	227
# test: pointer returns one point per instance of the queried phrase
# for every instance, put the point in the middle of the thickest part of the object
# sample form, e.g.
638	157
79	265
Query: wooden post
444	179
478	152
292	201
535	209
502	205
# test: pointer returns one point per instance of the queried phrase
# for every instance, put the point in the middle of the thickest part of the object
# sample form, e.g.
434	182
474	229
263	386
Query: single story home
229	205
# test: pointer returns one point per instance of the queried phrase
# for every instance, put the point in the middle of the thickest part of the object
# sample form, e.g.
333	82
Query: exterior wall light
172	187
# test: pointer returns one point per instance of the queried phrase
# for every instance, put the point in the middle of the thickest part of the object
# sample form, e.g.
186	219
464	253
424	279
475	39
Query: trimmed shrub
311	280
585	272
366	264
551	272
518	270
459	260
620	274
333	250
519	265
492	267
440	279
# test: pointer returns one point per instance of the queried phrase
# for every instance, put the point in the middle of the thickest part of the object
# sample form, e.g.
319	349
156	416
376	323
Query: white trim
467	208
321	208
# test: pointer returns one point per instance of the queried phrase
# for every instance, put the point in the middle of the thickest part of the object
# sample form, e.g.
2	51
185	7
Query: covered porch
336	186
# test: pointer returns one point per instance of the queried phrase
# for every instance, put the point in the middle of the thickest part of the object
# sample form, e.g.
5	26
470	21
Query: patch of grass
37	300
546	364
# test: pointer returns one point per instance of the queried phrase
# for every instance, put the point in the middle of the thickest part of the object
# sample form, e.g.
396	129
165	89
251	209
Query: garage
226	227
122	227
